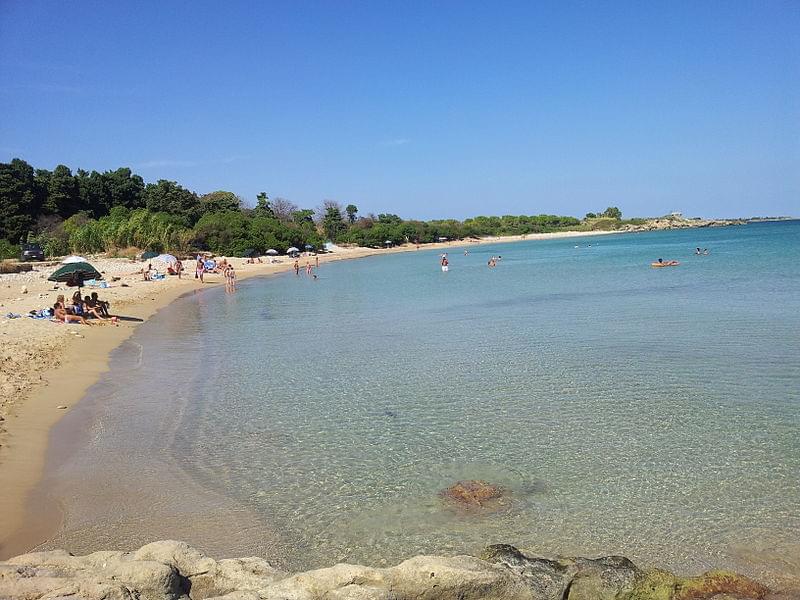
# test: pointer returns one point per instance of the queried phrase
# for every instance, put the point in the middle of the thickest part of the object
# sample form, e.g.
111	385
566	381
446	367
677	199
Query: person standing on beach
296	267
309	268
316	259
200	268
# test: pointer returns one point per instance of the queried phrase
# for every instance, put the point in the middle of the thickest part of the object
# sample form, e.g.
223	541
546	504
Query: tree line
105	212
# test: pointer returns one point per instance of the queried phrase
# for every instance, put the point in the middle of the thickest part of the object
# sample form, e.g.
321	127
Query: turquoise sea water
648	412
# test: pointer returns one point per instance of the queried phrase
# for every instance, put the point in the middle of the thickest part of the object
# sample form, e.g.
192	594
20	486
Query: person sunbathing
62	315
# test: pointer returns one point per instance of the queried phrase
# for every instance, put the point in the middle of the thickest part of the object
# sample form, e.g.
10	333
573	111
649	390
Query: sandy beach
46	365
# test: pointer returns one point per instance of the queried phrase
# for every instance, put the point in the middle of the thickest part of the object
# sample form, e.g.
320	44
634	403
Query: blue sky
425	109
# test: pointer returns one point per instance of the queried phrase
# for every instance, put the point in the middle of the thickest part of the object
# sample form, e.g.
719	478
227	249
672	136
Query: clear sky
424	109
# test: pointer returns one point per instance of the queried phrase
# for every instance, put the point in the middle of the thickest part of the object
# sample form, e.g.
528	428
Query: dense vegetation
94	212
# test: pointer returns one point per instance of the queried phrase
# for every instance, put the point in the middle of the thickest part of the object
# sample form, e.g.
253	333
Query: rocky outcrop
680	223
174	571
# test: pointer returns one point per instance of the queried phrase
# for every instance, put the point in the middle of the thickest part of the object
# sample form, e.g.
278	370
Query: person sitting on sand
90	308
103	305
76	306
62	315
175	268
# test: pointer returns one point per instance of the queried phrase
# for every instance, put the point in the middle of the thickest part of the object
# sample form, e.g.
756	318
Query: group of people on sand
81	309
150	273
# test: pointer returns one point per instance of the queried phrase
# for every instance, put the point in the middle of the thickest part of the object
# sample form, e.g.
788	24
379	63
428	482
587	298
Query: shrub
8	250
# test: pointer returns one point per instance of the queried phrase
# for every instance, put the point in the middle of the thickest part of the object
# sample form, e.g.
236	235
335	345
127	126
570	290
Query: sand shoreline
28	518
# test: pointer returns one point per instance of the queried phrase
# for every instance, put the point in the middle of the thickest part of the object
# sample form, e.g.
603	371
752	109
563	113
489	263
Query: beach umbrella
309	247
73	259
388	242
271	252
166	258
292	250
74	274
149	254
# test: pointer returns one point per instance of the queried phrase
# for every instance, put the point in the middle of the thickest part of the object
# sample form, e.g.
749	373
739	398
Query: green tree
62	193
263	208
123	188
612	212
332	220
18	205
591	216
169	197
92	193
304	215
219	201
352	211
224	232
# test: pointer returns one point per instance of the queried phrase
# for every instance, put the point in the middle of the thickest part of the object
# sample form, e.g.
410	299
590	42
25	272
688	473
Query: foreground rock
174	571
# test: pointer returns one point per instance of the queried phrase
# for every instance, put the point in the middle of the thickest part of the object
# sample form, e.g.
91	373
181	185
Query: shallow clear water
648	412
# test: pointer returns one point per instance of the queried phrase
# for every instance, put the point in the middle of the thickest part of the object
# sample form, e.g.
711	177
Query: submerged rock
174	571
474	494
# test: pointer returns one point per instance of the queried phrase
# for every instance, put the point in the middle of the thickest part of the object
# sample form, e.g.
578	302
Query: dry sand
46	365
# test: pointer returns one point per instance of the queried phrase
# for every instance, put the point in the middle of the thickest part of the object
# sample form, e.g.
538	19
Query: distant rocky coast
170	570
680	223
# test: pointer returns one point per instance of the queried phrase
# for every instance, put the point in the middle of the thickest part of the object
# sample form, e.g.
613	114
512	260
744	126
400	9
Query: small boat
666	263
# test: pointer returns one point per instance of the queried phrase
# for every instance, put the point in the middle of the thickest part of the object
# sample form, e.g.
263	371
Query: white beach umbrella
166	258
73	259
271	252
292	250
